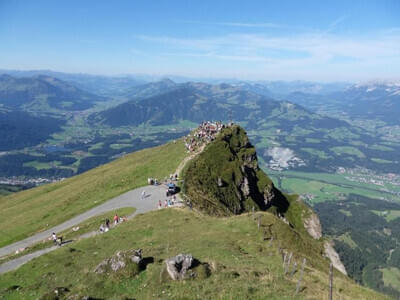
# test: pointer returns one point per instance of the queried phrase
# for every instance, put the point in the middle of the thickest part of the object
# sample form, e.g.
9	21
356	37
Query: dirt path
187	159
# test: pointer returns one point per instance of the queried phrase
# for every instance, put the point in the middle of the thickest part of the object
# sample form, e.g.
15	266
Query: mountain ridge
34	92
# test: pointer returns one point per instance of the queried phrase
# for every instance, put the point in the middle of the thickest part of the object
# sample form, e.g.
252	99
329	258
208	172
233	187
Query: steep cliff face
225	178
333	256
313	226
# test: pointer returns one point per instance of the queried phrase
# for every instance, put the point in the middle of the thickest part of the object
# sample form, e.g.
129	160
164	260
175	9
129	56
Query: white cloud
313	51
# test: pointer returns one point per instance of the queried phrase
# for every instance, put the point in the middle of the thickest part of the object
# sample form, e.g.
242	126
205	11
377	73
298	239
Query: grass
41	165
27	212
389	215
322	191
7	189
244	265
89	225
342	134
381	161
319	153
381	148
327	186
348	240
391	277
96	146
119	146
346	212
313	140
348	150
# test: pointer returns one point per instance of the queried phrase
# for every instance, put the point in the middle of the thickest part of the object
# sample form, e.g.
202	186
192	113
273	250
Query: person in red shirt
116	219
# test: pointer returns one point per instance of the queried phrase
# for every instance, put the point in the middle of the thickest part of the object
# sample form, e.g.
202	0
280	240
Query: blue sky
263	40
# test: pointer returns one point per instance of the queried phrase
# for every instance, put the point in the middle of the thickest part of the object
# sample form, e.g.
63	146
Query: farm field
319	187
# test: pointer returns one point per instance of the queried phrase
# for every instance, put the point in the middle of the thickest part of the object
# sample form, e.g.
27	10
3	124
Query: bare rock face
120	261
269	195
331	253
244	187
313	226
178	266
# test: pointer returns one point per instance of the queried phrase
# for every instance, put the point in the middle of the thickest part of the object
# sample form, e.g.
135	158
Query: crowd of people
205	133
169	202
104	227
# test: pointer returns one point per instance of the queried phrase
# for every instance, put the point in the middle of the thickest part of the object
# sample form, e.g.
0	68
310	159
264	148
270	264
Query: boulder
178	266
129	262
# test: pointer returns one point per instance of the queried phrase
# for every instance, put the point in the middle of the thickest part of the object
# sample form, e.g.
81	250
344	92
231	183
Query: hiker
143	195
159	204
54	238
116	219
165	203
101	229
107	224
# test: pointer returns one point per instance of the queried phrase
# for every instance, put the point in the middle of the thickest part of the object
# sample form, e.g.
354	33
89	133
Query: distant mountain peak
167	81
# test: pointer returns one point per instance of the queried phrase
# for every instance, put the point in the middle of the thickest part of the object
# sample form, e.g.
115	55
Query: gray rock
269	195
119	261
245	188
178	266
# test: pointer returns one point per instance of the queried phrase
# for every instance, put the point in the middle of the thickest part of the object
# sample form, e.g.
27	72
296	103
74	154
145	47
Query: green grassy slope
244	263
27	212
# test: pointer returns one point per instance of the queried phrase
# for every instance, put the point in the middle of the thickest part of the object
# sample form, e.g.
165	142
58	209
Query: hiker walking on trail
54	238
143	195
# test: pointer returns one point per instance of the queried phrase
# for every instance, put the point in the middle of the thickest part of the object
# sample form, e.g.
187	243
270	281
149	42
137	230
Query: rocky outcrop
333	256
131	259
178	266
225	178
269	195
313	226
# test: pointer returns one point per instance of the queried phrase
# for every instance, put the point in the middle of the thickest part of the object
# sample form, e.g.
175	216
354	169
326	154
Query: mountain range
37	93
376	101
197	102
